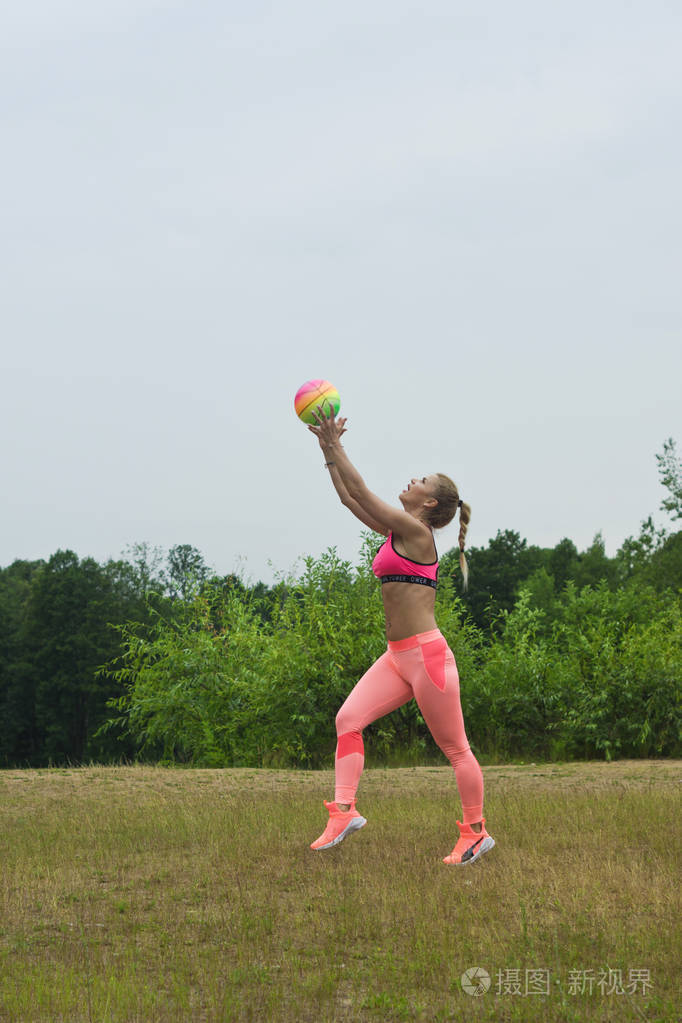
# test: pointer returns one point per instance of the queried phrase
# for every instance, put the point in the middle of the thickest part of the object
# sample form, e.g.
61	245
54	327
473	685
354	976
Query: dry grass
148	894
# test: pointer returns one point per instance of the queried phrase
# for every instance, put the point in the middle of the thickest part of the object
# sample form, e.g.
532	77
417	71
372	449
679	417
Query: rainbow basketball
313	393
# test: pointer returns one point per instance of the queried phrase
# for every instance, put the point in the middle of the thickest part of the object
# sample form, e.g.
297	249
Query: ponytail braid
464	520
447	495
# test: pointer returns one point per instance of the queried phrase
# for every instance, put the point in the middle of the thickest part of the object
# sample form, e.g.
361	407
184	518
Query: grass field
150	894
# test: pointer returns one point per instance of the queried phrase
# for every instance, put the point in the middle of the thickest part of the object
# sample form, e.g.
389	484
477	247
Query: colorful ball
314	393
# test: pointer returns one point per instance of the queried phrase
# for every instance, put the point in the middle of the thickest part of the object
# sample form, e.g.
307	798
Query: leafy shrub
214	682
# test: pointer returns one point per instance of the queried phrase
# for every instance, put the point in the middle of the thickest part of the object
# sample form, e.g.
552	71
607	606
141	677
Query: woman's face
419	490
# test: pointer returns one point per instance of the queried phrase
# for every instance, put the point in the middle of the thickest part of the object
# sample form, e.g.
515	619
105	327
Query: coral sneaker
340	824
470	844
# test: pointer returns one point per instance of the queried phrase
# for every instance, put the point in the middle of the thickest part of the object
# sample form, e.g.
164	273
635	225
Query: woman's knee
462	758
346	721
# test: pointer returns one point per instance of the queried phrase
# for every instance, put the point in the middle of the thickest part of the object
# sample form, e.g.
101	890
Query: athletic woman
418	662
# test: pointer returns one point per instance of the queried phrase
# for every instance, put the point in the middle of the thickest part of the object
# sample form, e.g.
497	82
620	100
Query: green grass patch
149	894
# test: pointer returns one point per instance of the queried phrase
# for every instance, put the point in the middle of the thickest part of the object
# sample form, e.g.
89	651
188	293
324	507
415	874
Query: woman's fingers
328	418
328	427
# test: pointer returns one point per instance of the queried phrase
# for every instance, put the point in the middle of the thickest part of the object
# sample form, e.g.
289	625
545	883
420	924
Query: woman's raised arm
366	506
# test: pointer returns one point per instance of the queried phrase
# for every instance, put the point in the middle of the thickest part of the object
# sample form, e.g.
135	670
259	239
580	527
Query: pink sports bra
391	567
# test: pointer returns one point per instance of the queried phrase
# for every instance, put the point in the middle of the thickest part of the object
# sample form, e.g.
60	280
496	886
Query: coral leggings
423	667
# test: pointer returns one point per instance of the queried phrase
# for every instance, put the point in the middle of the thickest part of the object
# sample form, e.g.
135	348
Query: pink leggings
422	667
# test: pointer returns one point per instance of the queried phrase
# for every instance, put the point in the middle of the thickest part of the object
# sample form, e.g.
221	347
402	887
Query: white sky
465	216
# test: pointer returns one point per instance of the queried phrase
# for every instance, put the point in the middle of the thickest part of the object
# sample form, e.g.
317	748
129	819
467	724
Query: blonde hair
447	495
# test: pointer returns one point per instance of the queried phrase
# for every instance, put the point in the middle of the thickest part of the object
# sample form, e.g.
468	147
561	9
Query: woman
418	662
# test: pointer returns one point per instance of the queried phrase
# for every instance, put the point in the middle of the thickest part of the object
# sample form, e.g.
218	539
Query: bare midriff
409	609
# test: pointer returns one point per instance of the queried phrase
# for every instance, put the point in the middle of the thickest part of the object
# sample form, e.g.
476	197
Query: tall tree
18	739
187	570
146	564
563	561
670	471
67	638
594	566
495	573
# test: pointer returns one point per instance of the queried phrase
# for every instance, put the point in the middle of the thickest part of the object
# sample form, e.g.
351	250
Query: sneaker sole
354	825
486	845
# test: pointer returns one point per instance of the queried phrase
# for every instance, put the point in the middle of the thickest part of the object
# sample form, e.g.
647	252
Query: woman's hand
329	429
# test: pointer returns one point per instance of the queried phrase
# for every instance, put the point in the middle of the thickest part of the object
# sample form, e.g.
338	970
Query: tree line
561	653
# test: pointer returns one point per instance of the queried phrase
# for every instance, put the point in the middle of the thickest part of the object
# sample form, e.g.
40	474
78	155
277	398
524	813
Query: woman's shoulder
419	546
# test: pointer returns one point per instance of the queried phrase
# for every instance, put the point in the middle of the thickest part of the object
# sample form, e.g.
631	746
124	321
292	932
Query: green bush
602	681
214	682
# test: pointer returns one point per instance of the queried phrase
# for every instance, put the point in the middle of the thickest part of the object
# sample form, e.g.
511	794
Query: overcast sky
467	217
